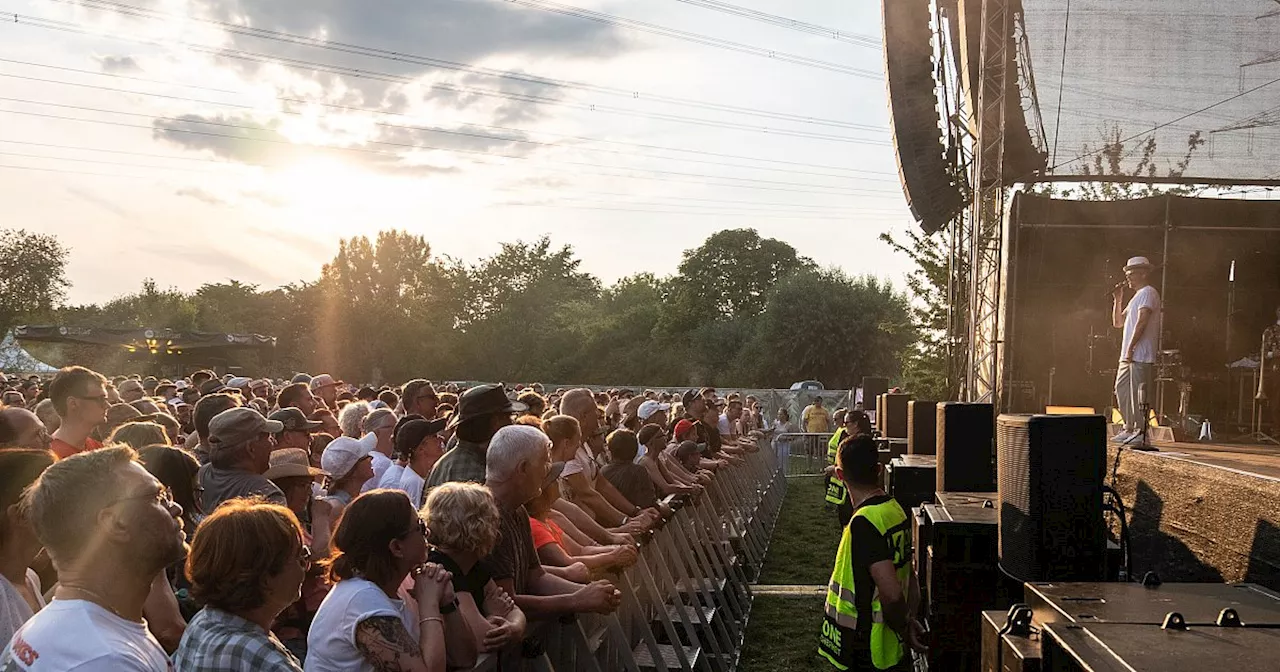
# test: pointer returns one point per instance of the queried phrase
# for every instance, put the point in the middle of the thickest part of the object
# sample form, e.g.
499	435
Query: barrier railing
686	601
802	453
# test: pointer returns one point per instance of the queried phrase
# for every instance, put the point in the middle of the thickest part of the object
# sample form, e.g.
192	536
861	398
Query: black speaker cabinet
1199	603
895	415
911	479
1068	647
1051	470
922	427
966	459
872	388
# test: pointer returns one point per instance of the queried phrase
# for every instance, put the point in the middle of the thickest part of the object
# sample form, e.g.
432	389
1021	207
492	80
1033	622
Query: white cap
342	453
1137	262
650	407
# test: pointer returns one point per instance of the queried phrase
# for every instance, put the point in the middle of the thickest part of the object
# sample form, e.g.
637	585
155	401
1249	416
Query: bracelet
432	618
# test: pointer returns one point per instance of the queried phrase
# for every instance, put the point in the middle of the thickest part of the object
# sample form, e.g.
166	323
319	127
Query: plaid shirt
217	641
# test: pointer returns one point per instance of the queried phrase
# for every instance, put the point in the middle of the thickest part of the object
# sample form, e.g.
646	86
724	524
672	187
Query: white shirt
584	463
411	483
381	463
391	477
14	610
723	426
331	642
1145	351
82	636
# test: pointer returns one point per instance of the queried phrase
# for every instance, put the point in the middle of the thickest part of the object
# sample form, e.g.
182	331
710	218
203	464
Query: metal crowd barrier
802	453
686	602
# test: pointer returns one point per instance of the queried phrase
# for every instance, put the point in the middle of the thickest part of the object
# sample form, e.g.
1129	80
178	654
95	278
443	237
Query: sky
195	141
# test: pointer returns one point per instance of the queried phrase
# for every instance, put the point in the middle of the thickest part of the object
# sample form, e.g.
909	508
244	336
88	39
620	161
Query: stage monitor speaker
922	427
1050	472
880	421
966	457
872	388
931	189
895	415
1021	155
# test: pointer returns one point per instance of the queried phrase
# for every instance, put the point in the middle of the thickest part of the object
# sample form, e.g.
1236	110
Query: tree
727	276
1116	158
827	326
926	369
33	277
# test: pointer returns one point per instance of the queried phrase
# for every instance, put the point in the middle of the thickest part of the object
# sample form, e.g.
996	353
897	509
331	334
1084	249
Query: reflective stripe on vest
840	617
836	492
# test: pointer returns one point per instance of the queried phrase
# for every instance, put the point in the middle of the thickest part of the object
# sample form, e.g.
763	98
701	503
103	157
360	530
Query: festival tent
15	359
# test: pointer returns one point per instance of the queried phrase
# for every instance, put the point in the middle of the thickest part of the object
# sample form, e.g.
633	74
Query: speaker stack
966	459
922	427
931	188
895	415
872	388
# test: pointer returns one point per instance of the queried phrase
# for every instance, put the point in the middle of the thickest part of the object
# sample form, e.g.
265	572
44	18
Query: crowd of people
227	523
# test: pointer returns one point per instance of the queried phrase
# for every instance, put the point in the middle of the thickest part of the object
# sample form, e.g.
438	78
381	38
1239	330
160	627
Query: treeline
741	310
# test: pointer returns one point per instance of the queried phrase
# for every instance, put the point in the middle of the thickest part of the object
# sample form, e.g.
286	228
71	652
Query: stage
1203	511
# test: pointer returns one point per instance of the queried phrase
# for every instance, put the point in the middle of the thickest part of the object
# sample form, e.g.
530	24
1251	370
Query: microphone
1119	285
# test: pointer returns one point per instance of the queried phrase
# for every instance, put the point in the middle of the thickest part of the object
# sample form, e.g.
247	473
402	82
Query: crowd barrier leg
700	596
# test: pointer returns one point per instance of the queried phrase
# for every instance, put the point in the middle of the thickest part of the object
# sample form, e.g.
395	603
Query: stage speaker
966	458
872	388
1021	155
928	182
895	415
922	427
1051	470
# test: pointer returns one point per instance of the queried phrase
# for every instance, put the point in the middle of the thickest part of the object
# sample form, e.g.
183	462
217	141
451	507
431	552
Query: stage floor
1257	460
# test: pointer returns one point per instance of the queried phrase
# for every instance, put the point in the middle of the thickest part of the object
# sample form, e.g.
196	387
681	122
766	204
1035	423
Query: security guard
836	493
869	621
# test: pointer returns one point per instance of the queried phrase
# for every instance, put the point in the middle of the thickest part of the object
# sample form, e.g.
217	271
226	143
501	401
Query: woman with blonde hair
464	524
139	435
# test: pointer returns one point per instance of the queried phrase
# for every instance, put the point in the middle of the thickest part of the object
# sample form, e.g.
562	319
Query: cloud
118	64
202	196
105	204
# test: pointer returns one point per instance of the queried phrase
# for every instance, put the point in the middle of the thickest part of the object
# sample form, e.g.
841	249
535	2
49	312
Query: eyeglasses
420	529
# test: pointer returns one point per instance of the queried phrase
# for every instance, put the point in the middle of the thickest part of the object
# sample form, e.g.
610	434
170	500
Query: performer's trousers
1130	376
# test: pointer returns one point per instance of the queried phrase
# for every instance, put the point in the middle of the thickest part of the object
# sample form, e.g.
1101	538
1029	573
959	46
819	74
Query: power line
785	22
834	190
440	63
680	150
50	24
414	146
427	129
696	38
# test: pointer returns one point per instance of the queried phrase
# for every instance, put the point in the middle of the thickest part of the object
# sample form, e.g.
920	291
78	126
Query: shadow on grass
805	538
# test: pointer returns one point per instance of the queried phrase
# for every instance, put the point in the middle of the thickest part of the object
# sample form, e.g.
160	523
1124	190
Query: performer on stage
1271	360
1139	346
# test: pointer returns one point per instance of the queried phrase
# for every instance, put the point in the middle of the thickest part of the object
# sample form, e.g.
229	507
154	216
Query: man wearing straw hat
1140	321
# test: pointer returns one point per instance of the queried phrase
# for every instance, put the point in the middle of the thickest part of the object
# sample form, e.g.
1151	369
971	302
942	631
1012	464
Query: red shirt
64	450
545	532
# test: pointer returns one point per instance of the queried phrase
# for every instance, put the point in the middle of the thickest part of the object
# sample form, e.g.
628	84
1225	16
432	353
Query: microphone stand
1139	441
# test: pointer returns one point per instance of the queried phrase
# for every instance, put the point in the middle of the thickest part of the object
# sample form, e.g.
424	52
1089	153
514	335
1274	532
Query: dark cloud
118	64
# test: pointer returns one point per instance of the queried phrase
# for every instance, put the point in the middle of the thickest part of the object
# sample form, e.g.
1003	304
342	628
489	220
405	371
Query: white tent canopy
15	359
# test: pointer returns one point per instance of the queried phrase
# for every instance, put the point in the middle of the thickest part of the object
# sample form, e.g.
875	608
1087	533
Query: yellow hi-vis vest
836	492
840	622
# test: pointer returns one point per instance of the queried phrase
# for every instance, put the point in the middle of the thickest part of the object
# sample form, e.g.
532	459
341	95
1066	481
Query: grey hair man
111	528
517	461
382	423
240	445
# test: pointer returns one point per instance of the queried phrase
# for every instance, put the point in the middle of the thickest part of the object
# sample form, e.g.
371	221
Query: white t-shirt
14	610
723	426
331	642
1145	351
411	483
584	463
381	463
82	636
391	477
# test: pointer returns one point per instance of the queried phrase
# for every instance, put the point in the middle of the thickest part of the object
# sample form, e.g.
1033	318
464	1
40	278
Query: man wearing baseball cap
325	387
653	413
482	411
349	462
240	445
295	429
1140	321
130	390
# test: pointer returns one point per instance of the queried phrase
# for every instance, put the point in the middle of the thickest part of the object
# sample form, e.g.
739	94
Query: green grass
805	539
783	635
783	631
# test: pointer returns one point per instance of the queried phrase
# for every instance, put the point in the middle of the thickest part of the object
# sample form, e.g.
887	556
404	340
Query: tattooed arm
384	642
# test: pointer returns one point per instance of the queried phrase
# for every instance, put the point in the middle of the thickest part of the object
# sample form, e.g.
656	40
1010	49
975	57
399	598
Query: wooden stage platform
1251	459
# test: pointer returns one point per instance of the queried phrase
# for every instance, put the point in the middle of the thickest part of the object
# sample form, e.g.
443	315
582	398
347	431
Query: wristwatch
449	608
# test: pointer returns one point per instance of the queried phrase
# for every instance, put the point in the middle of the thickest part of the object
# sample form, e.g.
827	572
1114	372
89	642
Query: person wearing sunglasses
368	621
110	528
80	398
246	565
